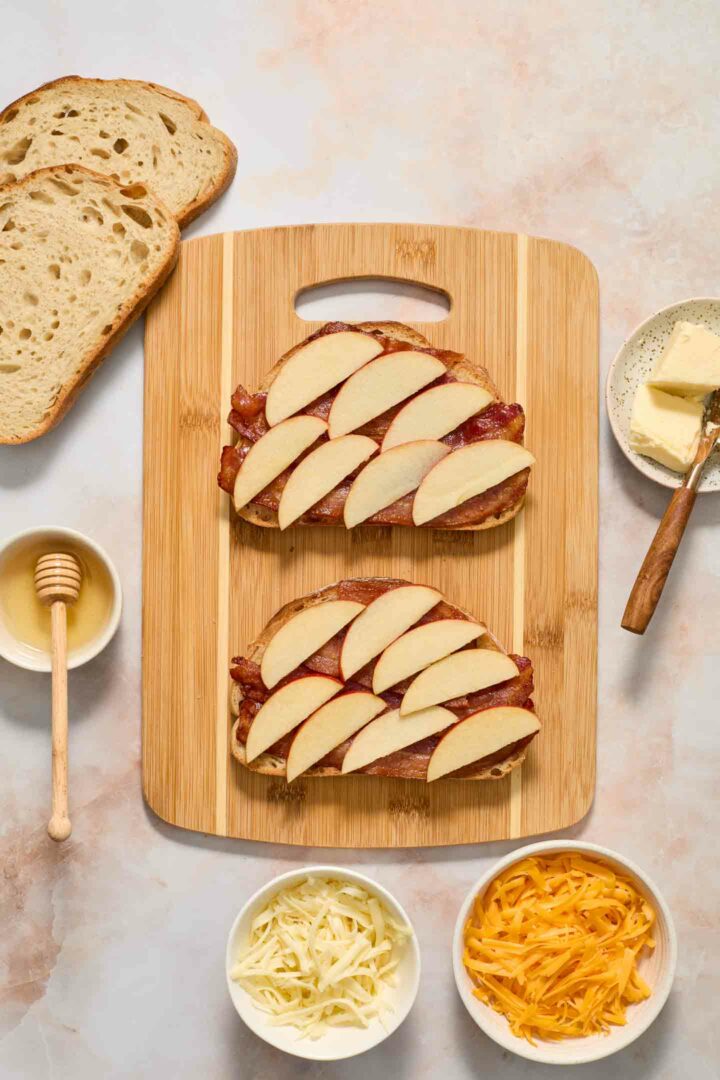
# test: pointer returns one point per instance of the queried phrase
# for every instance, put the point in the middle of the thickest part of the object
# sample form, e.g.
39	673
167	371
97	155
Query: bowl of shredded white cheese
322	963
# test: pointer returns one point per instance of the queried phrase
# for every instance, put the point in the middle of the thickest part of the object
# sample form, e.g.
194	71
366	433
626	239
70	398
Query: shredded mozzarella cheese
323	953
553	945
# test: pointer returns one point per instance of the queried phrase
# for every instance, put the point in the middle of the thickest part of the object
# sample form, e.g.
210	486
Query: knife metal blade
708	440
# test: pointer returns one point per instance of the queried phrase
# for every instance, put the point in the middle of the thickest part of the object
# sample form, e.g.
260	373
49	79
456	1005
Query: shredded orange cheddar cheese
553	946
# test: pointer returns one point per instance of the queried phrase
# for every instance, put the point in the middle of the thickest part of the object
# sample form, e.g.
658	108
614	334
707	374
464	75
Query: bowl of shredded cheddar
322	963
564	952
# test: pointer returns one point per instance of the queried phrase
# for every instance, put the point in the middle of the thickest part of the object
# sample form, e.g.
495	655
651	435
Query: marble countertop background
595	123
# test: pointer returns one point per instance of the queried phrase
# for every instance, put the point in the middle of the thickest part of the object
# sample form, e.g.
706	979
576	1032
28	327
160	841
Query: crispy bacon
230	462
327	660
248	406
498	421
365	590
492	503
247	674
328	511
411	762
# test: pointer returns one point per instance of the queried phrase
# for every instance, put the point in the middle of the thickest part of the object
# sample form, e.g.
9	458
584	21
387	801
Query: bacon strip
411	762
498	421
230	462
247	674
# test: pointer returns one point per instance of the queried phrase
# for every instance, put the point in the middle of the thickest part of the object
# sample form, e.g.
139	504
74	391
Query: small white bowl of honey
25	622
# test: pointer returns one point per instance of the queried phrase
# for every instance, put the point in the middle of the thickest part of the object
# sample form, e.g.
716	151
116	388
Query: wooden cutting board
528	310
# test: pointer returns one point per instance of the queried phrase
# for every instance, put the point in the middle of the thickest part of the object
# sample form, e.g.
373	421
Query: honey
28	621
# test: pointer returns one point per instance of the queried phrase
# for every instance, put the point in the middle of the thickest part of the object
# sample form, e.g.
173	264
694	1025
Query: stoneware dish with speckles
657	968
633	365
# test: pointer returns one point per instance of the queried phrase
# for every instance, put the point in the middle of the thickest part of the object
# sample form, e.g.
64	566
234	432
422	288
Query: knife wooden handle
651	579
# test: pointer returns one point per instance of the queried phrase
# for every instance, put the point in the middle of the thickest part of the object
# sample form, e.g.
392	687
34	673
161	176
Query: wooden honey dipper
57	581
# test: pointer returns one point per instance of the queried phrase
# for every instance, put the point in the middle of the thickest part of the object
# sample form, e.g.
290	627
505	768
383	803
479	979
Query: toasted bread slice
80	257
133	131
462	369
270	765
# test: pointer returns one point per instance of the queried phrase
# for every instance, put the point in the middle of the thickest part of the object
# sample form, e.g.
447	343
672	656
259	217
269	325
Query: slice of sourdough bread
80	257
135	132
272	765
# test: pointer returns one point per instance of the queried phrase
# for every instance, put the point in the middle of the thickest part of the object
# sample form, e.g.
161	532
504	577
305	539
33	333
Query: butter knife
651	579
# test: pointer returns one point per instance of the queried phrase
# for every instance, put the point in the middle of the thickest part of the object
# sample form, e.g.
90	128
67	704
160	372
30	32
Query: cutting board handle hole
372	298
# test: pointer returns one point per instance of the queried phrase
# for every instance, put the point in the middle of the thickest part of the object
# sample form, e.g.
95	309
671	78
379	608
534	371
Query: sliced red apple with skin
303	635
391	732
330	726
315	368
469	471
455	676
383	620
378	386
389	477
273	453
419	648
287	708
478	735
321	471
436	412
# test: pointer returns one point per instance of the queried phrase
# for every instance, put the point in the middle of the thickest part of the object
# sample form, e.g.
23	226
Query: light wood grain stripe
518	638
223	596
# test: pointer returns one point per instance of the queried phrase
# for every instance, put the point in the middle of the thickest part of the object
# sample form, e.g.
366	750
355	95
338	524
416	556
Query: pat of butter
665	427
690	363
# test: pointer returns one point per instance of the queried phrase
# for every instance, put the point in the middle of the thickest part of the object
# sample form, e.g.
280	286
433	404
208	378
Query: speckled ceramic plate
633	365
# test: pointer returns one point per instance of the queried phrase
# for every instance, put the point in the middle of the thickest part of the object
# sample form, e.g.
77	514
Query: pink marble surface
593	123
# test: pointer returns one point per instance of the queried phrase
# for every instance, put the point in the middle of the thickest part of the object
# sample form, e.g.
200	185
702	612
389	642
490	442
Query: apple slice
421	647
287	708
391	732
435	413
315	368
467	472
455	676
330	726
389	477
378	386
320	472
383	620
478	735
303	635
272	453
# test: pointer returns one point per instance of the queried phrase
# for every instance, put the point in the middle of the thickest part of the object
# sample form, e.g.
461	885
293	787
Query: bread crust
131	309
462	368
222	182
269	764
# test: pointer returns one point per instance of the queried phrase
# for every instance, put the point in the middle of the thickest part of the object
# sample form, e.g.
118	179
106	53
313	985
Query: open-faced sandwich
381	677
367	424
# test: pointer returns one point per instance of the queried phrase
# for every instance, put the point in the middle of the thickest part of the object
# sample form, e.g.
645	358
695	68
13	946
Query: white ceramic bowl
658	969
17	652
633	365
342	1042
